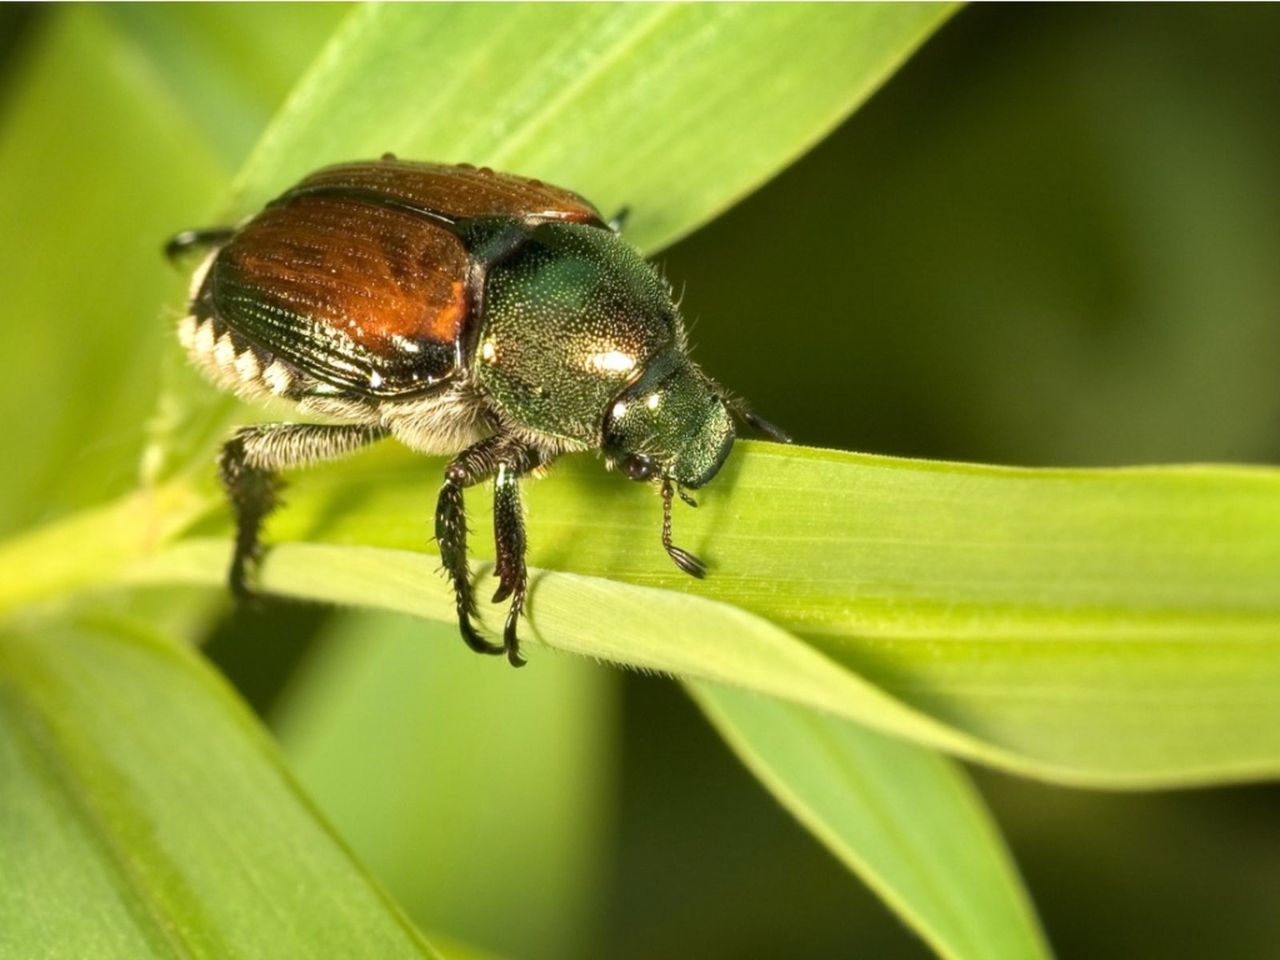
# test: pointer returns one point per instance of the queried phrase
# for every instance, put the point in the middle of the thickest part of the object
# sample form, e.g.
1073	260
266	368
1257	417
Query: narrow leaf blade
1123	624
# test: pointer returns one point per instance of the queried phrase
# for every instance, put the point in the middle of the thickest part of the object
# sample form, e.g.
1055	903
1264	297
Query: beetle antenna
683	559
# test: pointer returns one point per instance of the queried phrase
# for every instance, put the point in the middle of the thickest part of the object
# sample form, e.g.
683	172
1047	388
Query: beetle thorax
569	320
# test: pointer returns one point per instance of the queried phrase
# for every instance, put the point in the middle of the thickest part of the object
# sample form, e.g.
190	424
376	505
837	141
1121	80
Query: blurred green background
1052	238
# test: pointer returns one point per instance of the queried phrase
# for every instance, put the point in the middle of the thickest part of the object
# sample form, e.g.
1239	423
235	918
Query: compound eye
638	467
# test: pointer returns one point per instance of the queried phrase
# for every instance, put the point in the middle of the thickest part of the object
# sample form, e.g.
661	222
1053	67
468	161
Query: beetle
487	316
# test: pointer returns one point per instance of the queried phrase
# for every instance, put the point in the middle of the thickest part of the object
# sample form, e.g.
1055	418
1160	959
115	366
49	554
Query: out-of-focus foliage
904	818
1050	240
144	814
675	109
469	791
120	126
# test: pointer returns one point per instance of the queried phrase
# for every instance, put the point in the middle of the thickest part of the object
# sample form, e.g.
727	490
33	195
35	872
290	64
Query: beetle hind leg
180	243
254	495
248	467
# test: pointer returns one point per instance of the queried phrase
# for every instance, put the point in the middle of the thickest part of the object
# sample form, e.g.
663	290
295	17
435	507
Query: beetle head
671	424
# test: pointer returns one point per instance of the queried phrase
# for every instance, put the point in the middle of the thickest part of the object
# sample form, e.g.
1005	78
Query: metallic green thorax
580	340
569	319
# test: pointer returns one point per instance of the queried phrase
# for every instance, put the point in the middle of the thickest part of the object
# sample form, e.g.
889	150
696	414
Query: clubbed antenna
685	560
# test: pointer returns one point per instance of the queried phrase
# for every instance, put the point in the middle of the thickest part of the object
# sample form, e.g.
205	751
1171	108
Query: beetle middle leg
507	459
249	465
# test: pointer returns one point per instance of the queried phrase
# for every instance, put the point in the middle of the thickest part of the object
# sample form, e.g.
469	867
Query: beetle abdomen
231	363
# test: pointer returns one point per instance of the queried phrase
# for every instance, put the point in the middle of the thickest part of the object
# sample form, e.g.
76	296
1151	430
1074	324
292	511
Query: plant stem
94	545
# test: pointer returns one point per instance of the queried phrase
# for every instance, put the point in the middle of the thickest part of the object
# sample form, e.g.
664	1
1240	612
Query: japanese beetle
461	311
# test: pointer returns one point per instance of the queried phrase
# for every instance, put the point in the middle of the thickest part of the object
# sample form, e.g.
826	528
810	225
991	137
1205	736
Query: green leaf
1105	627
422	755
906	820
143	813
674	109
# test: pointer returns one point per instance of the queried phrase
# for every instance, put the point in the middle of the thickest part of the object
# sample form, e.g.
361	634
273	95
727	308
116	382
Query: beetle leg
248	468
619	220
180	243
451	535
768	429
756	422
508	534
508	459
685	560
